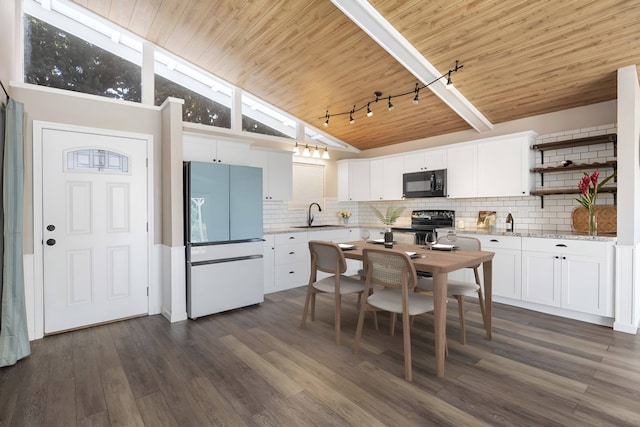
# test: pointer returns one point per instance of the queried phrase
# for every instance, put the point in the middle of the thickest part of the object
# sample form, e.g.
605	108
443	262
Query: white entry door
94	203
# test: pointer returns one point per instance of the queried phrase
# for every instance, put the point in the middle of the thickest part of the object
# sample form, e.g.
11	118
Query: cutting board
606	217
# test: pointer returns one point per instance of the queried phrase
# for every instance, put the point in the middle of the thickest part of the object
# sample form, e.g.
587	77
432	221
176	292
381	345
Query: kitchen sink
316	226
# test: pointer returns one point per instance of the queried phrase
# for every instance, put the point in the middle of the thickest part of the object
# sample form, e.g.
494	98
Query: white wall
627	251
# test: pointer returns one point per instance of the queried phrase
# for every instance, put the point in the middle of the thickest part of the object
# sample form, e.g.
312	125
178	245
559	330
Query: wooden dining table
439	264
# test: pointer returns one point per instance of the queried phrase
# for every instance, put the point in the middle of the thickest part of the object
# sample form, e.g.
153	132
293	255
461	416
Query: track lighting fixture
317	153
415	92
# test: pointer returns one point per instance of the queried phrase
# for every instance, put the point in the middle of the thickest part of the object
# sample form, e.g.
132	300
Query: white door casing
94	206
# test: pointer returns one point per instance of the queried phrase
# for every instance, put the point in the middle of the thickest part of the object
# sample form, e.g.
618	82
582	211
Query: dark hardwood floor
255	366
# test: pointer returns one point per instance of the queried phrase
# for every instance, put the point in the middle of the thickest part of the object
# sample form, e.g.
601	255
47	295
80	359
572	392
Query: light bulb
306	152
325	155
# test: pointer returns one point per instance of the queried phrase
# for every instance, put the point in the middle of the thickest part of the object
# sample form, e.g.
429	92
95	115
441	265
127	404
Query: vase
593	221
388	236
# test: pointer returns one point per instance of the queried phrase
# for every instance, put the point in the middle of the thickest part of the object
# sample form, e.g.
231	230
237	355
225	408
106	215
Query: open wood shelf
579	142
608	164
569	191
601	139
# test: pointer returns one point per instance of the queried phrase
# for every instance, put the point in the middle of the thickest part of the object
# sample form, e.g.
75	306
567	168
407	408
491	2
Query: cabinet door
353	180
584	287
462	163
502	167
280	176
277	173
196	148
376	179
359	175
232	152
541	278
507	267
385	182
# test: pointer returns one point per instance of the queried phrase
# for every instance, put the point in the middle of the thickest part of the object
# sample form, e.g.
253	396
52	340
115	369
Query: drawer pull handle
291	253
494	240
291	237
291	272
561	245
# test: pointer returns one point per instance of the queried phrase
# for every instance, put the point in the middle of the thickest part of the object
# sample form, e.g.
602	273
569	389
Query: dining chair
401	237
395	274
458	289
328	257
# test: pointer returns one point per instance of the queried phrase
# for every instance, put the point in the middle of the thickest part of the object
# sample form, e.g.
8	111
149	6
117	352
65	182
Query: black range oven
426	221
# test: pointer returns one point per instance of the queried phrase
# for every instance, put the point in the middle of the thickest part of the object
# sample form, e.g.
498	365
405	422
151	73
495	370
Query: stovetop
429	219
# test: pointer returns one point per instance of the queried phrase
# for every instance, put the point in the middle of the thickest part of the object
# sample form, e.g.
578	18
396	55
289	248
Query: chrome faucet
309	216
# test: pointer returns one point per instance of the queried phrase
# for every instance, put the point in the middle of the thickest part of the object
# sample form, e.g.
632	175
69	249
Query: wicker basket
606	217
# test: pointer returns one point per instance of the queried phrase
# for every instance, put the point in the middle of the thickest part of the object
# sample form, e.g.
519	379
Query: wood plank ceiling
520	57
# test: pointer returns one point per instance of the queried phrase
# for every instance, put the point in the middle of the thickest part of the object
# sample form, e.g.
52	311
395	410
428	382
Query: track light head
390	105
449	84
326	122
369	112
416	98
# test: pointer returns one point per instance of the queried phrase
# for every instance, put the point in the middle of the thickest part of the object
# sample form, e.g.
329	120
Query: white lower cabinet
290	264
507	272
291	260
268	254
574	275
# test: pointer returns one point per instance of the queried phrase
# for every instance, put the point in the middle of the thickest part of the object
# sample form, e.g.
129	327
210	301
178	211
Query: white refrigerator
223	237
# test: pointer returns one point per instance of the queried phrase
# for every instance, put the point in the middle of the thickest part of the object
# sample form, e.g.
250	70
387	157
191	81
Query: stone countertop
548	234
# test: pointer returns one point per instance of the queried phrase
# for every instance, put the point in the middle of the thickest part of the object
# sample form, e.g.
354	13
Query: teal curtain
14	335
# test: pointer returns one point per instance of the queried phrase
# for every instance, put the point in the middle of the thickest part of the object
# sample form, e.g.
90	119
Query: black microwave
424	184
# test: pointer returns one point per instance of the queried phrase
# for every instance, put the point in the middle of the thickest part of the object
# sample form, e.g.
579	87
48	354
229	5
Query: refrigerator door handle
222	260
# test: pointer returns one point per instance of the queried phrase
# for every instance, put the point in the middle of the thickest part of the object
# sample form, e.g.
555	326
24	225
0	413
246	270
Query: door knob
51	242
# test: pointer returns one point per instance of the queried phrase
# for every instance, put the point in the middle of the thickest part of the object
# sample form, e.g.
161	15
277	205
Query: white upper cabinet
504	167
203	148
353	180
277	173
462	171
492	167
386	178
432	159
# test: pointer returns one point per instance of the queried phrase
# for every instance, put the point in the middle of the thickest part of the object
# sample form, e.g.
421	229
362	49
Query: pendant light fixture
306	152
325	155
296	150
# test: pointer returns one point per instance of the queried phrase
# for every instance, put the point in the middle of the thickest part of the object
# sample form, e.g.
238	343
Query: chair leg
481	301
406	338
337	318
313	305
392	324
306	307
463	332
356	340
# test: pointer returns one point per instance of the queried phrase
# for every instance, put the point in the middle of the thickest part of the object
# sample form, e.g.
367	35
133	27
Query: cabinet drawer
285	238
566	246
296	273
499	242
286	254
329	235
